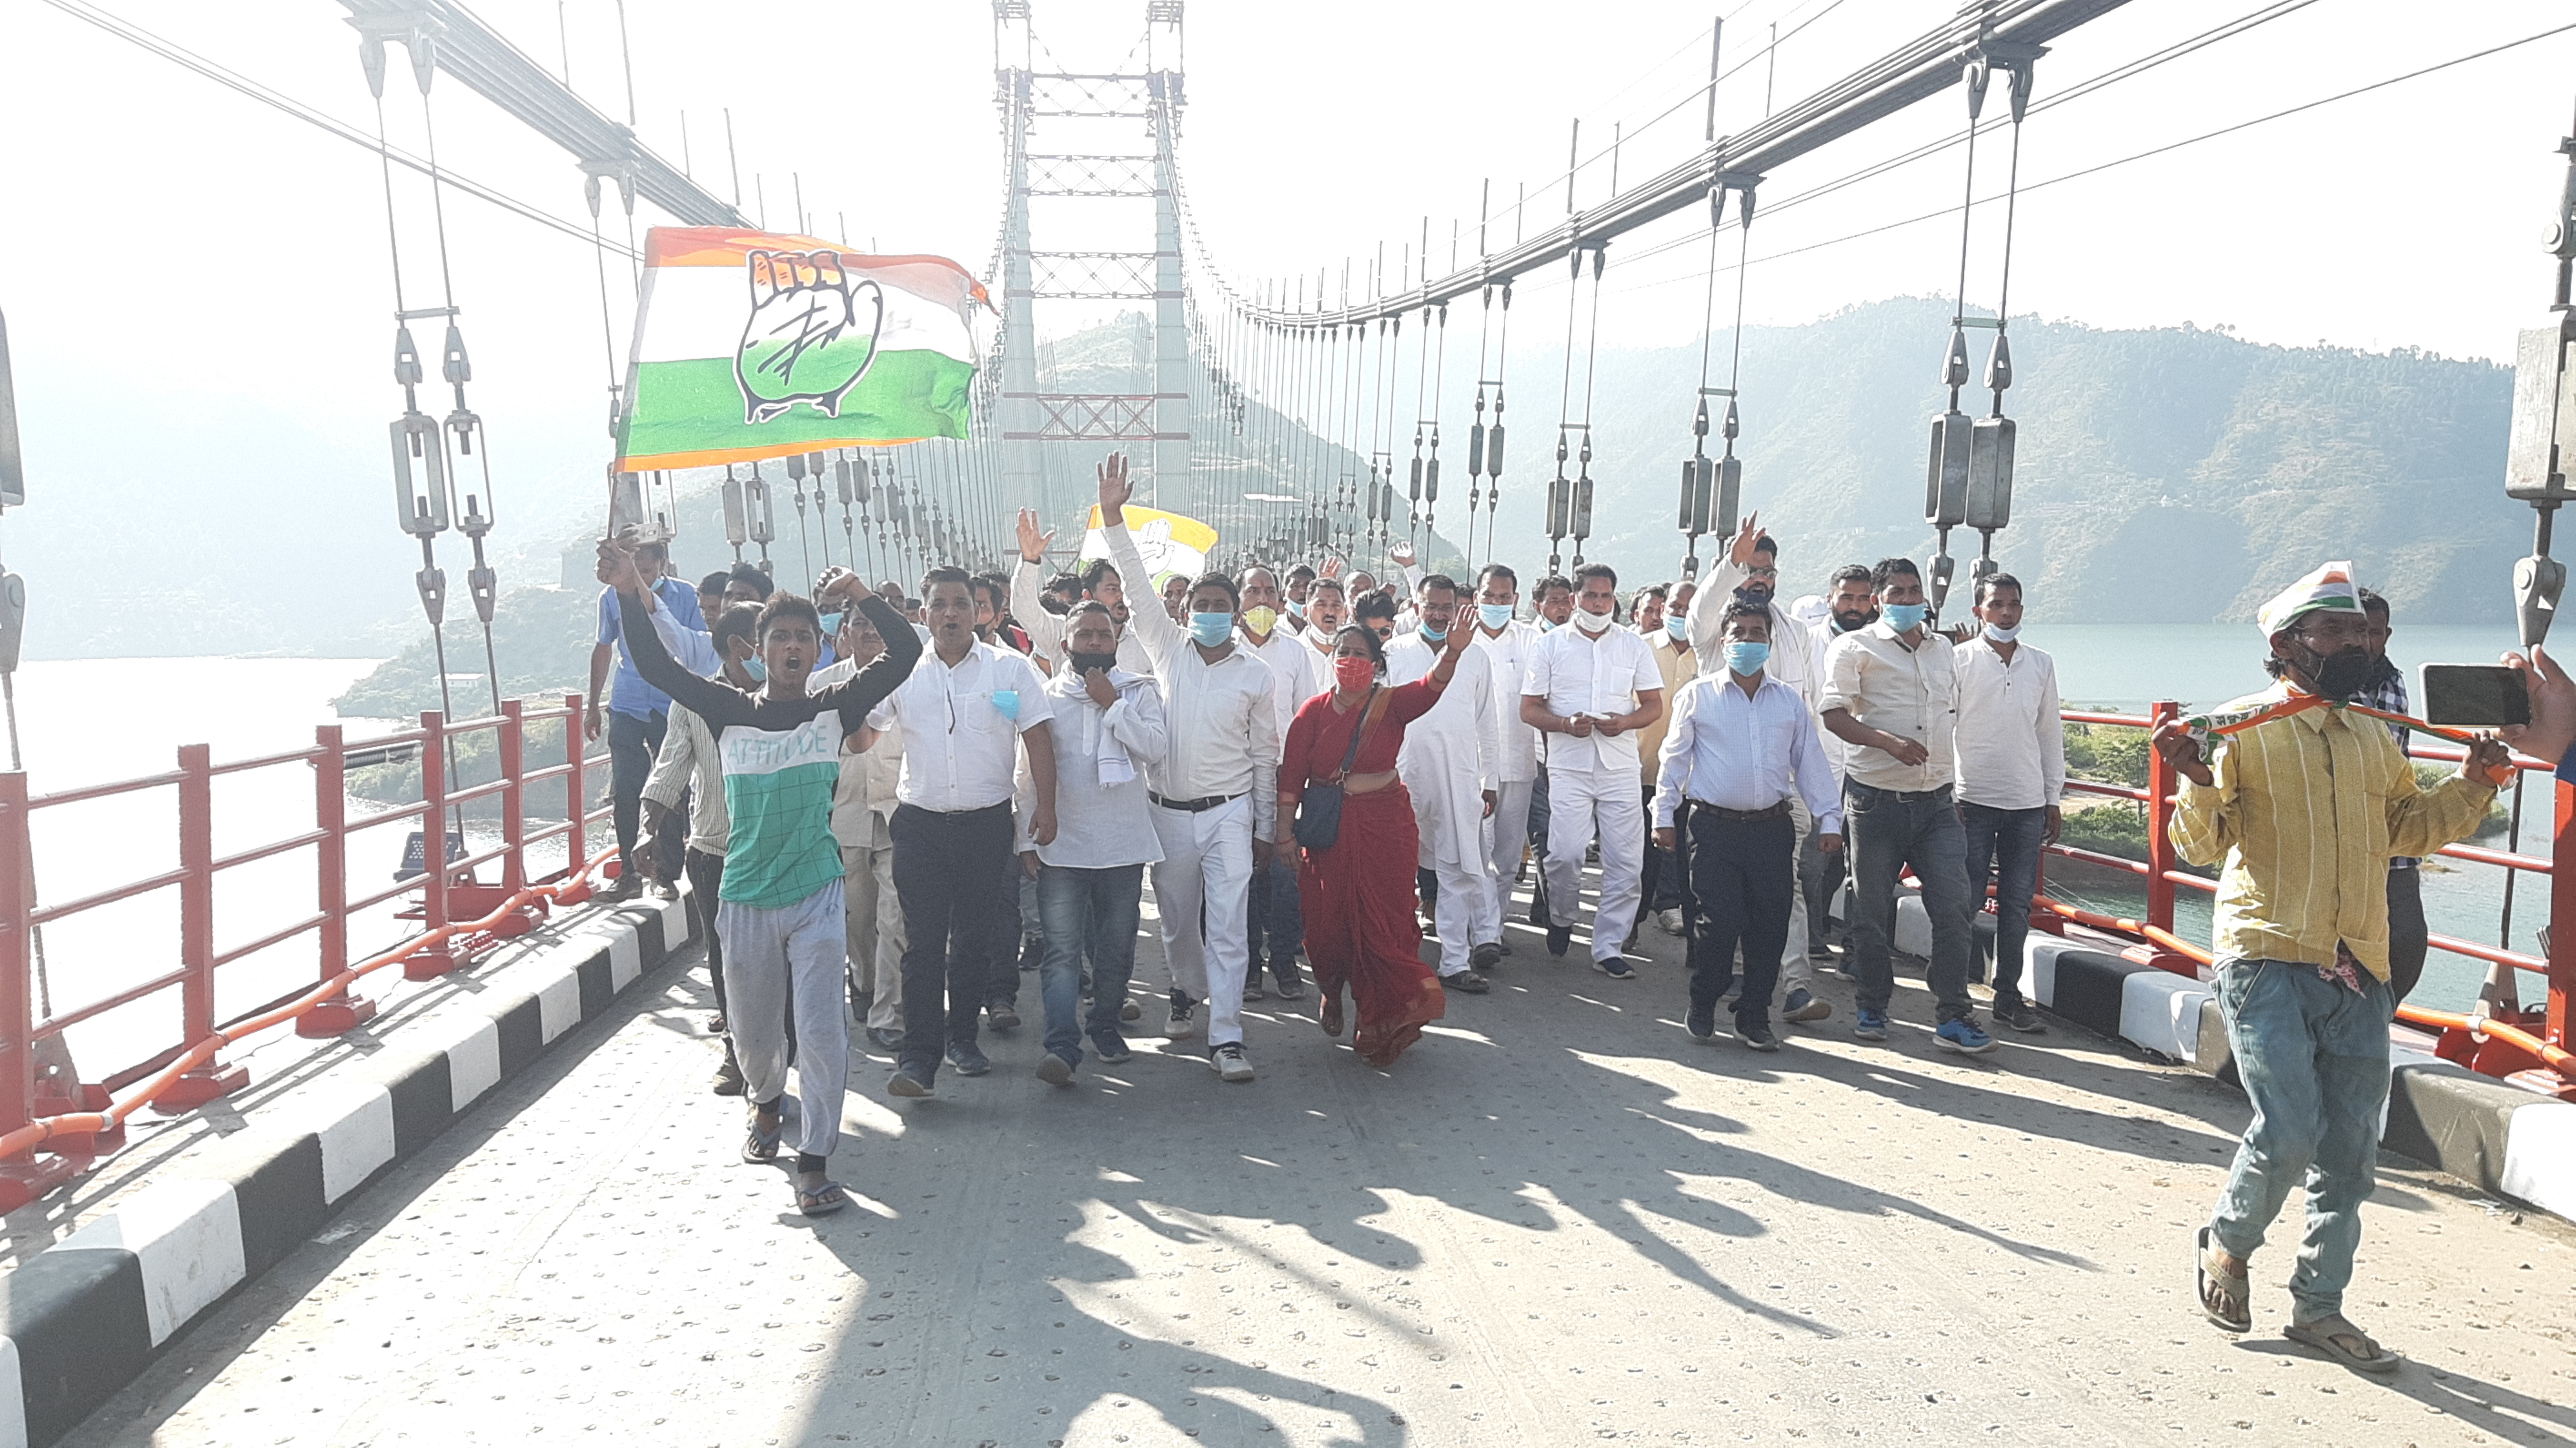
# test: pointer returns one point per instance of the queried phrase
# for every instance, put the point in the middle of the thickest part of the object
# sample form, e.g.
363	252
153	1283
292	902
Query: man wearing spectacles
1750	574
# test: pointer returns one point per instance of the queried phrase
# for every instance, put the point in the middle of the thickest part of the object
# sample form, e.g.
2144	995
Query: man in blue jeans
1892	692
2301	940
2011	747
1108	727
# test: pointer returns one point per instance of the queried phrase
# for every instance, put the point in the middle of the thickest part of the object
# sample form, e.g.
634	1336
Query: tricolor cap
2329	587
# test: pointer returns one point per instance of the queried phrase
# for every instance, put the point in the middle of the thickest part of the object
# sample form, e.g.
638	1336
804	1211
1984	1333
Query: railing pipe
2161	860
514	798
576	789
331	856
196	892
2561	947
17	956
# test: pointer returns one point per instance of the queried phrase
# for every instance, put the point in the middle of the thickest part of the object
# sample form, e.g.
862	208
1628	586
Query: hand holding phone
2477	696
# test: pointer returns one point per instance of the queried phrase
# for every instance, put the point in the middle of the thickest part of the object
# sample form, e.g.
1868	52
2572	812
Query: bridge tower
1070	144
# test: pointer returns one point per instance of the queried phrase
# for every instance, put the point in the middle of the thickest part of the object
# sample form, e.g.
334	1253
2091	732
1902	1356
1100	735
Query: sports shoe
1702	1024
1963	1036
1872	1026
1002	1016
1671	920
1252	990
1110	1046
904	1083
1486	956
1183	1024
1615	968
1802	1006
1558	938
966	1060
1032	950
1467	982
728	1077
2018	1015
1286	984
1130	1011
885	1038
1230	1062
1756	1036
1055	1070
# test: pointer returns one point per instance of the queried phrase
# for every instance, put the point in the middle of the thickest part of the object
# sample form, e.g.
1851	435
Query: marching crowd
892	805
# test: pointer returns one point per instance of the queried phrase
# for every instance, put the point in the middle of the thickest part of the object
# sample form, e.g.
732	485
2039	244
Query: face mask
1261	619
1354	674
1495	615
831	625
1432	635
1211	629
2343	673
1006	702
1678	625
2003	635
1296	609
1590	622
1753	593
1903	617
1746	657
1545	623
758	671
1085	663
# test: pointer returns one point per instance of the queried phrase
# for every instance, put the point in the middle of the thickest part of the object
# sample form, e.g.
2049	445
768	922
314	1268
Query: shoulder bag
1319	810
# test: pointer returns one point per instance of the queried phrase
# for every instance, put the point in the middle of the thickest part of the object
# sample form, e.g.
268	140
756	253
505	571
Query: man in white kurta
1448	764
1589	688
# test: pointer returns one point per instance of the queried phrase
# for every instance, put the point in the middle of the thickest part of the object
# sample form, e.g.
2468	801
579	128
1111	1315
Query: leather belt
1778	811
1193	806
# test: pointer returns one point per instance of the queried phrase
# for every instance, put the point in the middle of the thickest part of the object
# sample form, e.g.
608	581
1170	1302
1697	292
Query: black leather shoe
1559	937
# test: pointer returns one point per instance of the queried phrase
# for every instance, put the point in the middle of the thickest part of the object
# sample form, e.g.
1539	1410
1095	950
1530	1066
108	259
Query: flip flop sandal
2329	1335
2221	1290
1330	1017
760	1148
822	1201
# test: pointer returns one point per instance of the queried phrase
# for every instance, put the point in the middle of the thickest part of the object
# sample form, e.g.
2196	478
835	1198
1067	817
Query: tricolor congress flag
1168	542
754	345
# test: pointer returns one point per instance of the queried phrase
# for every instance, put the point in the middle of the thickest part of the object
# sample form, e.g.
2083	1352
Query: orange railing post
514	820
197	934
331	885
438	960
2560	945
576	790
2160	850
17	957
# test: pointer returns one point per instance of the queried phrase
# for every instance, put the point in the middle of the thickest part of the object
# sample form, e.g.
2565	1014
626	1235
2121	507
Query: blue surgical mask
1432	635
1006	702
1211	629
1545	623
1495	615
1902	617
758	671
831	625
1746	657
1678	625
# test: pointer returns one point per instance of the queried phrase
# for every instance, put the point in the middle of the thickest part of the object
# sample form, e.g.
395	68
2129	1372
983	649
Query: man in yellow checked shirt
2305	805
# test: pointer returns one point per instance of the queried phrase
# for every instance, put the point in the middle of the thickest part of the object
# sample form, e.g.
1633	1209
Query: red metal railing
74	1120
2499	1045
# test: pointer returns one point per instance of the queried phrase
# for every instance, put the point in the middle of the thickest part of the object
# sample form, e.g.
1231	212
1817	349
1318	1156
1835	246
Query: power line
177	54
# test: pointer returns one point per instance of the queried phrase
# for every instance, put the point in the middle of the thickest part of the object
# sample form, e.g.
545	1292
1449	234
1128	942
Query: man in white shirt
1276	931
1326	612
1507	643
1750	573
863	804
1448	763
2011	748
689	769
963	712
1740	745
1091	877
1101	583
1892	693
1215	795
1589	686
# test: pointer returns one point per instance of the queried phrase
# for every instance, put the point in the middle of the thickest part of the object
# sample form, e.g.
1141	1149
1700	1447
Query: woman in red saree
1358	895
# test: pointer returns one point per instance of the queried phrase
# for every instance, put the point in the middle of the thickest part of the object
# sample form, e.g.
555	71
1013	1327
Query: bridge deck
1556	1220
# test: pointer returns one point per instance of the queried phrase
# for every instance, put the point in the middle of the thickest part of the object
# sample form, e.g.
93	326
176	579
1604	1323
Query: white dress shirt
1597	674
960	749
1223	717
864	797
1293	669
1100	823
1797	650
1509	654
2010	742
1046	630
1911	691
1740	752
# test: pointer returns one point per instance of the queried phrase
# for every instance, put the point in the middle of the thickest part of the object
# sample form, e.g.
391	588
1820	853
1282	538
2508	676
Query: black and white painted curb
2499	1138
81	1319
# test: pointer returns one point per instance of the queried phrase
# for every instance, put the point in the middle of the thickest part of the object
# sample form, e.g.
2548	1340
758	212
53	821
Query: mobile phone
2480	696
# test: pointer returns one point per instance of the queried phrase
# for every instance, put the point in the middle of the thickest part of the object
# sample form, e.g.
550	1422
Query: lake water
77	729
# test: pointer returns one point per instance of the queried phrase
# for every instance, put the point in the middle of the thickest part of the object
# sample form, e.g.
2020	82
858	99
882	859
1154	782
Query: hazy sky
2410	217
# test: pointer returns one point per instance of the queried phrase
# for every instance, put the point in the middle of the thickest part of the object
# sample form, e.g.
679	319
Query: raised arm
1028	605
1153	628
645	644
855	696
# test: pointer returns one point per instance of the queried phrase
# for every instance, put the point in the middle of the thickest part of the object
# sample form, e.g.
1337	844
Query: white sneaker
1670	920
1231	1063
1183	1024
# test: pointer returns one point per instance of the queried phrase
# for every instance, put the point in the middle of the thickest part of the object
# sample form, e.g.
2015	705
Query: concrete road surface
1557	1220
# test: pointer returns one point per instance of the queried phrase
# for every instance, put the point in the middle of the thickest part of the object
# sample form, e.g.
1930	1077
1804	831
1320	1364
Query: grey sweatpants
775	956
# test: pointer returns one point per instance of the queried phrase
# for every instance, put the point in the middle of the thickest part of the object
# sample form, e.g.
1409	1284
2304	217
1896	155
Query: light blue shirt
1745	753
630	694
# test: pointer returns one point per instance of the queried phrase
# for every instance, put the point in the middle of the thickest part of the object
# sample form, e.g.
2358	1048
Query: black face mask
1085	663
1756	594
2341	674
1849	620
